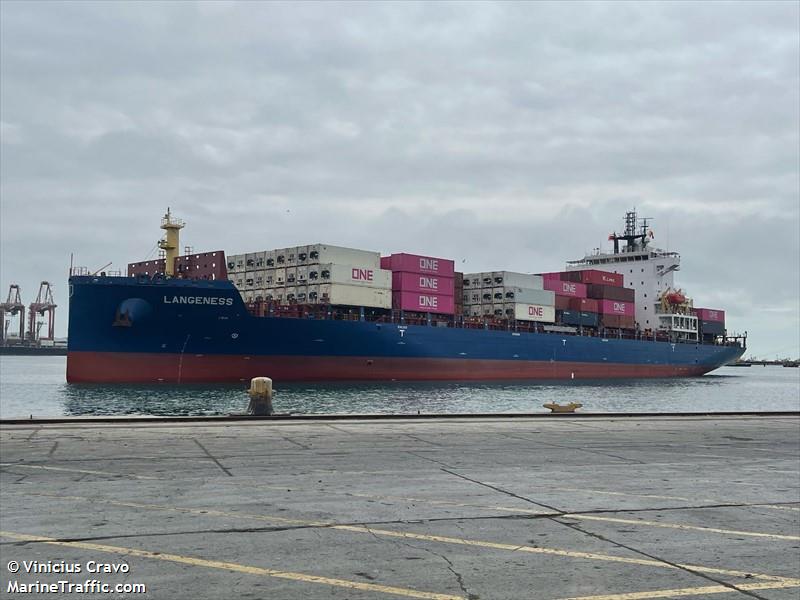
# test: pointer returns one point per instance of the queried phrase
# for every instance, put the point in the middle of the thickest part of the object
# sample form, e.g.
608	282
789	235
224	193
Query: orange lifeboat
676	298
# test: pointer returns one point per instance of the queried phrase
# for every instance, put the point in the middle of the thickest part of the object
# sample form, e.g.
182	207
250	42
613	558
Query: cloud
504	135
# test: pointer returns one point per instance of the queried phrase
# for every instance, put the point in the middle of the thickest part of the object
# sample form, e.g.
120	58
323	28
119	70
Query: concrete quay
442	508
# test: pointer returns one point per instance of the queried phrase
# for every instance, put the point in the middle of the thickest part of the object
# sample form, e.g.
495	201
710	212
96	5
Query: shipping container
291	256
534	312
355	295
313	293
486	296
413	263
593	276
498	294
616	307
617	321
551	276
710	314
365	276
260	279
712	327
280	257
458	279
261	260
301	294
520	280
584	305
579	318
279	294
302	255
231	264
418	282
280	277
487	281
325	254
291	294
250	261
423	302
249	279
269	278
562	302
270	258
610	292
302	274
291	275
544	297
572	289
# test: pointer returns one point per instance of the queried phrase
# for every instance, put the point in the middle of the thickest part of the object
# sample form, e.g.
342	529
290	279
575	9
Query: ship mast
171	242
631	236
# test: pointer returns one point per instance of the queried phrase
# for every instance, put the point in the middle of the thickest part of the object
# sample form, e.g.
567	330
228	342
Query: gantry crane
44	305
12	306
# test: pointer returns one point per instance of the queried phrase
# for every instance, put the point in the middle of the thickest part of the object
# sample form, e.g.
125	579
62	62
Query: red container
551	277
426	303
594	276
584	305
610	292
616	307
562	302
205	265
710	314
413	263
565	288
417	282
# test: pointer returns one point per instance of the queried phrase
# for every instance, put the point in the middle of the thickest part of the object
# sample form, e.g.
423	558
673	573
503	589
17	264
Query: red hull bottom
123	367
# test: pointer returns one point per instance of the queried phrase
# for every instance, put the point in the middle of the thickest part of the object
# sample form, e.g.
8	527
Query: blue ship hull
124	329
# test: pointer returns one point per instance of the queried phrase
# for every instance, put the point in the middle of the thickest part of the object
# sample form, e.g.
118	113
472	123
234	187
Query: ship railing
489	323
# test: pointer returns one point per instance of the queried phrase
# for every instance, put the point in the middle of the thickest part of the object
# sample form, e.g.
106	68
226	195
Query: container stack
711	322
421	284
592	298
315	274
508	295
458	293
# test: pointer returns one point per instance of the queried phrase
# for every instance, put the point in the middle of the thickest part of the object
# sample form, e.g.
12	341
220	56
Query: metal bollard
260	393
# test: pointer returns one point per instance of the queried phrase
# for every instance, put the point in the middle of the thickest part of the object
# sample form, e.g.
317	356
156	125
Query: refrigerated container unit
354	295
514	279
326	254
528	296
291	275
269	261
534	312
360	275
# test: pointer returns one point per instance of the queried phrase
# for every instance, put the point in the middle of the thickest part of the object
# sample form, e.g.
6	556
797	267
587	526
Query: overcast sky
505	136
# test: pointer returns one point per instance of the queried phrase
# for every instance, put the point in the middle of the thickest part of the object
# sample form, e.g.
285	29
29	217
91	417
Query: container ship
325	313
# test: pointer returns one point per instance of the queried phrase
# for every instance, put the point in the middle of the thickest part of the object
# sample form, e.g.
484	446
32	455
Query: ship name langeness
198	300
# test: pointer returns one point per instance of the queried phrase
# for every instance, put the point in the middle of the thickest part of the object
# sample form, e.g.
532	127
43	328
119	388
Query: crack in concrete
53	449
211	456
291	441
558	519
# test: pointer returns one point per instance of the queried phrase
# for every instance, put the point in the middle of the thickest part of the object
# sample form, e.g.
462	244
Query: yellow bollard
565	408
260	393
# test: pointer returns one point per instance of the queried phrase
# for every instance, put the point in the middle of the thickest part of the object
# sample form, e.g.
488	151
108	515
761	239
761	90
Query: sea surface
35	386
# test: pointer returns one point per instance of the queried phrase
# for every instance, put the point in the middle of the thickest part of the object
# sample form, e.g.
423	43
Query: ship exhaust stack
171	242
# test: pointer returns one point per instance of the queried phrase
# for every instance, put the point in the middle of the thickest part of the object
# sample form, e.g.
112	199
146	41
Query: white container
249	279
280	257
325	254
260	279
233	262
364	276
313	294
522	280
261	260
497	310
525	296
498	295
279	295
250	261
259	295
474	311
486	310
302	275
534	312
301	294
486	280
354	295
302	255
486	296
269	278
291	275
291	293
269	261
280	277
291	256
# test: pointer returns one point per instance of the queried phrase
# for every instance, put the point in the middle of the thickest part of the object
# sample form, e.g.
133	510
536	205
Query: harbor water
34	386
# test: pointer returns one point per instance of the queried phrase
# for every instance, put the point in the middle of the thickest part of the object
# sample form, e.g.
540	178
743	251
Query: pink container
418	282
710	314
550	276
417	302
566	288
413	263
616	307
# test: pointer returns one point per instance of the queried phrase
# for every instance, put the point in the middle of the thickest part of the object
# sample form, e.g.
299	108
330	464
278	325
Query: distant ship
162	324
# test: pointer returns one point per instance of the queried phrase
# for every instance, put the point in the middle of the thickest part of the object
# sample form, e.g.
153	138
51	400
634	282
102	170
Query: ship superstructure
650	272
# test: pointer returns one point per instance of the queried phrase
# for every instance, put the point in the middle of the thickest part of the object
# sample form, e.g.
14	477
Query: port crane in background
44	305
12	306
